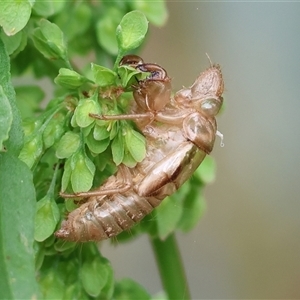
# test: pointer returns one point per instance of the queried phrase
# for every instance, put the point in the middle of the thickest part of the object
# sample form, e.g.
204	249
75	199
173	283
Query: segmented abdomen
105	217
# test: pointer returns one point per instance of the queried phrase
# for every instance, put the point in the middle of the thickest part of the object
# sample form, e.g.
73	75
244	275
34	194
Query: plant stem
171	268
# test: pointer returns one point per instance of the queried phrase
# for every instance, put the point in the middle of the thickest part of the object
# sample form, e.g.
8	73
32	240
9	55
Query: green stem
171	268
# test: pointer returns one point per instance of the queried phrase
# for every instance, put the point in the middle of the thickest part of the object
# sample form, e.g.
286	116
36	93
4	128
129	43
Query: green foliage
60	147
17	211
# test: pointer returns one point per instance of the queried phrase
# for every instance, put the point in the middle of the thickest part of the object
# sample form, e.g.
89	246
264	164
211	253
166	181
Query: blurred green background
248	243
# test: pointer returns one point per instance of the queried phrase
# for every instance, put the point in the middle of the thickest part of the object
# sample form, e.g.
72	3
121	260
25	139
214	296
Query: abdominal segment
103	218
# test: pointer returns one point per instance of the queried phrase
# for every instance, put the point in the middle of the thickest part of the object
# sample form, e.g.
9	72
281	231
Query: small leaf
47	216
94	275
113	129
48	8
49	40
106	28
97	146
128	160
194	206
100	132
32	150
127	289
126	73
207	170
62	245
103	76
14	143
66	175
108	289
12	43
82	111
75	292
136	144
5	117
76	22
69	203
52	285
131	31
54	130
68	144
83	174
167	215
14	15
155	11
39	256
117	148
70	79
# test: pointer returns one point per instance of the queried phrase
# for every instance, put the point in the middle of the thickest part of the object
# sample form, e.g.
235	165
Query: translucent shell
179	132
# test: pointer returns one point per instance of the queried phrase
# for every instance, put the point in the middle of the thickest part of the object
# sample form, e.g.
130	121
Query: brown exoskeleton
179	132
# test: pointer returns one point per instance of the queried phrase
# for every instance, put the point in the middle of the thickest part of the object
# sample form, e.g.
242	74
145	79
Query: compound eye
131	60
156	71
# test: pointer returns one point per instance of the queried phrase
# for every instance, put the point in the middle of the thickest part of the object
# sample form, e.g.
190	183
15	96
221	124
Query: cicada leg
125	179
148	115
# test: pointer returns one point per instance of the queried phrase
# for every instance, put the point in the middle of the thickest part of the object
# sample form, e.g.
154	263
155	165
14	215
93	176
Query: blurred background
247	245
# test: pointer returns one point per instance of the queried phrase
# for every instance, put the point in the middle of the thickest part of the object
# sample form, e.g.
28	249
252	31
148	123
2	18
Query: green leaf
15	140
46	219
108	289
32	150
131	31
14	15
194	206
103	76
167	215
155	11
76	21
17	211
97	146
29	99
52	285
48	8
66	175
83	174
94	275
126	73
54	130
117	148
70	204
75	292
68	144
82	111
5	117
113	129
207	170
12	43
100	132
39	255
127	289
49	40
128	160
106	28
70	79
62	245
136	144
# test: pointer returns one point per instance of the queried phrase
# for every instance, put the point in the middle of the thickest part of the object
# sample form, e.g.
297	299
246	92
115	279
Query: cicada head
205	95
131	60
153	93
